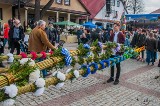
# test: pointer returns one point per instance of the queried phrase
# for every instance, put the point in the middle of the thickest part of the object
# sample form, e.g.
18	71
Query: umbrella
69	23
89	25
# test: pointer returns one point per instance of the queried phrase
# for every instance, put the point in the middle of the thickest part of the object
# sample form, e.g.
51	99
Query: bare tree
39	14
37	10
124	4
134	6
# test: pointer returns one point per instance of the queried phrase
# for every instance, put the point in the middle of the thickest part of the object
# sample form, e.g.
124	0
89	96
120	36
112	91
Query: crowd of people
42	38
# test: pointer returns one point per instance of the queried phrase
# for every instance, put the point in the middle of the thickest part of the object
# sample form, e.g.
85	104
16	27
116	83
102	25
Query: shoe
116	82
110	80
159	65
138	58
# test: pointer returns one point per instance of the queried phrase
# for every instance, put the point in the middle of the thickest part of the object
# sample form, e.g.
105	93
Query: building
156	11
61	10
98	11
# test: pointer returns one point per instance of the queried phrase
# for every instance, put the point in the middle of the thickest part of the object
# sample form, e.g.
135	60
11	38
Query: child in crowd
150	48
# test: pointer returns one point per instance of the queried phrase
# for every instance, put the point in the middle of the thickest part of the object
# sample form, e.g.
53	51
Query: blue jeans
44	72
58	39
150	57
5	41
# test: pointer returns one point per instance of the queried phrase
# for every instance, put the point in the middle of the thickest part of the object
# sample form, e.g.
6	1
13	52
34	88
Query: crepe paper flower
11	57
43	55
24	55
95	66
34	55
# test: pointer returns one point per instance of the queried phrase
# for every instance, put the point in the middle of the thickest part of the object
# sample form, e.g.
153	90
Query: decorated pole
9	78
38	84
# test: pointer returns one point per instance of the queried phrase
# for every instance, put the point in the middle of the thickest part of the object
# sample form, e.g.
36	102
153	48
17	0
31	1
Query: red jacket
6	32
121	38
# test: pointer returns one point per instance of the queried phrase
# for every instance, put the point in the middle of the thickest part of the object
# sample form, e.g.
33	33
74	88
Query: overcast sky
151	5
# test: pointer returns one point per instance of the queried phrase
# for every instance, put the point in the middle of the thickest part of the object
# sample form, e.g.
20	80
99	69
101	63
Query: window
1	14
113	2
118	3
59	1
107	15
115	14
67	2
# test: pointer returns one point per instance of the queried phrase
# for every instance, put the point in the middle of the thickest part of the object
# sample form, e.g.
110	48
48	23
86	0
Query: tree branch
46	7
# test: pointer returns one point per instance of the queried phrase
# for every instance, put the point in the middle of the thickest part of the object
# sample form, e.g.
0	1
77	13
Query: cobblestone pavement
137	88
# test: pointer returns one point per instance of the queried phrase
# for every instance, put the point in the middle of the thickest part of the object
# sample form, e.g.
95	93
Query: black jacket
52	34
21	33
134	40
141	40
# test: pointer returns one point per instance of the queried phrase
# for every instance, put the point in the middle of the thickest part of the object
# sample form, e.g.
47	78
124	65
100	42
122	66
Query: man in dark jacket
116	37
51	33
16	33
141	42
79	33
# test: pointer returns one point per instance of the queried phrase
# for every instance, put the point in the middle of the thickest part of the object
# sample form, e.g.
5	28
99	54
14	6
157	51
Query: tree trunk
19	17
124	4
135	6
37	10
46	7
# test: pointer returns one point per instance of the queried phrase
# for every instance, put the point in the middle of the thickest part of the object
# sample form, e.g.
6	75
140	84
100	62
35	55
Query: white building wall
102	13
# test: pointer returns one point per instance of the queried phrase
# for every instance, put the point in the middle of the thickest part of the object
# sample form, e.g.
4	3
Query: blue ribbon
88	71
107	62
100	44
131	50
86	46
68	58
102	64
124	58
95	67
117	60
121	58
113	61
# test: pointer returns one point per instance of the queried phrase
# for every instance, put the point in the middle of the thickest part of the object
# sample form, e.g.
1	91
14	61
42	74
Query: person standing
151	48
141	42
16	33
39	42
116	37
79	33
58	33
51	32
135	38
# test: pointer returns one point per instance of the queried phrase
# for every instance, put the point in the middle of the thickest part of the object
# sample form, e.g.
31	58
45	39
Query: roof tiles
94	6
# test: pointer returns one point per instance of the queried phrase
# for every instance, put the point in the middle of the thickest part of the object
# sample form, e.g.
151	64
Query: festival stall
68	38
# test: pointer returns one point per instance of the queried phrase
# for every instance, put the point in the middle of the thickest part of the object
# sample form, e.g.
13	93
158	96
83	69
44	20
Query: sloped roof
13	1
93	6
156	11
